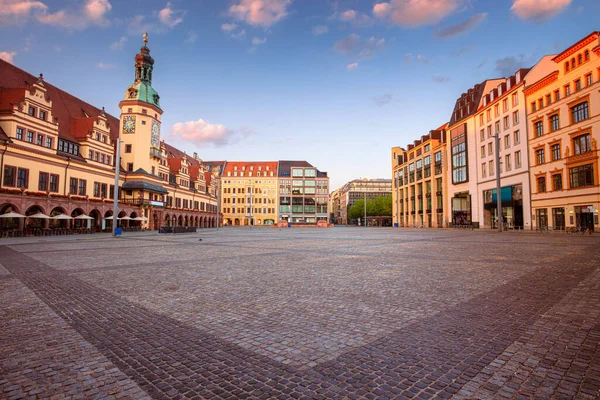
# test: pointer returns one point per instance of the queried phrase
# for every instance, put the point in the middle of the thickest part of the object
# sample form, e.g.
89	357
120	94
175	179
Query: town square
300	199
293	313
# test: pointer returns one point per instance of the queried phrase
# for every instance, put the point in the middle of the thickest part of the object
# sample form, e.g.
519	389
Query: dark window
49	142
580	112
82	184
43	181
582	176
541	184
73	186
30	136
43	115
127	148
557	181
31	111
103	189
459	163
582	144
40	140
53	183
539	156
23	178
538	127
578	85
555	152
130	167
19	134
554	123
96	189
9	176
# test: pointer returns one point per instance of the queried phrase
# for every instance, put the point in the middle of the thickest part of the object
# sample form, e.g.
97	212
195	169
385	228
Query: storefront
461	209
512	207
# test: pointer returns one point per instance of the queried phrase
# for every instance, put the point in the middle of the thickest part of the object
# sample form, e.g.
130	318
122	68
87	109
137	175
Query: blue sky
337	83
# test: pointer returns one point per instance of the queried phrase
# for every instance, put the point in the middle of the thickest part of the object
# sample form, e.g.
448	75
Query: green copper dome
143	91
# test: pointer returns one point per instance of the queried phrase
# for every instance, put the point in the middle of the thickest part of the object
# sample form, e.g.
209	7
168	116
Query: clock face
128	124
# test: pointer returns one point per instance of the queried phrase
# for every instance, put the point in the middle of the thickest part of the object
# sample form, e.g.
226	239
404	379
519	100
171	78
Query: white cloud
538	10
348	15
354	47
103	65
229	27
8	57
118	45
191	37
260	12
413	13
352	66
202	132
233	30
170	17
256	41
319	30
19	11
355	18
465	26
138	25
91	13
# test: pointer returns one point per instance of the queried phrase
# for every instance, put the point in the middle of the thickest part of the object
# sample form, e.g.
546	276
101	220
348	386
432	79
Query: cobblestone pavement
313	314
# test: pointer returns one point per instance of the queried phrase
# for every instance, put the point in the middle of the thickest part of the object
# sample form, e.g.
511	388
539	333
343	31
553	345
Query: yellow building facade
249	193
419	182
57	156
564	131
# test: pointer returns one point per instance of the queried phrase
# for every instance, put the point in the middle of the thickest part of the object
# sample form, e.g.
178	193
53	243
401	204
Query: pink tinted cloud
93	12
413	13
538	10
260	12
16	11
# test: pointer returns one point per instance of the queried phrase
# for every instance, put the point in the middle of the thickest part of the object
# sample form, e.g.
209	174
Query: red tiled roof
173	152
231	166
64	105
11	96
3	135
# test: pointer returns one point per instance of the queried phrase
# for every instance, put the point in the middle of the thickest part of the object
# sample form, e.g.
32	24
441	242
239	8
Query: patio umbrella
83	216
125	218
61	217
39	216
138	219
12	215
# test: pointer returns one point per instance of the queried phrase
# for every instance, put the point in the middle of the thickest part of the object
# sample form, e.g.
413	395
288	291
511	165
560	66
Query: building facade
463	200
249	193
564	131
356	190
303	192
58	154
419	183
502	117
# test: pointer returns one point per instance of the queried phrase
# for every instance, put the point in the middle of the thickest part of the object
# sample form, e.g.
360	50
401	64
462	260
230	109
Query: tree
377	207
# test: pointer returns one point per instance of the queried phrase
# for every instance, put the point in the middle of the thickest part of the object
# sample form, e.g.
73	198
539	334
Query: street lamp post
365	208
498	187
116	190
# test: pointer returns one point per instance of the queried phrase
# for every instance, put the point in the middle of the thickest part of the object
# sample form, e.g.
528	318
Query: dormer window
31	111
42	115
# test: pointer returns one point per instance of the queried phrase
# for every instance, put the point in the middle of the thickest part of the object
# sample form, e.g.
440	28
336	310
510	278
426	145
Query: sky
336	83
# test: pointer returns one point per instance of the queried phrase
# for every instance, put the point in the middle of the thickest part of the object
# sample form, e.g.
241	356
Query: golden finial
145	36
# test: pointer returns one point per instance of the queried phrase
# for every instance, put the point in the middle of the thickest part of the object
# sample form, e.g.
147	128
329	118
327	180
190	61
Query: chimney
195	155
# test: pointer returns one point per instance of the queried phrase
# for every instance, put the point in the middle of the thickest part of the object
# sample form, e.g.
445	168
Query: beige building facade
564	132
419	185
57	156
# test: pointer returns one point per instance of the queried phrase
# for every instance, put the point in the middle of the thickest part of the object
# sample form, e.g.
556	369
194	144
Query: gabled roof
64	105
173	152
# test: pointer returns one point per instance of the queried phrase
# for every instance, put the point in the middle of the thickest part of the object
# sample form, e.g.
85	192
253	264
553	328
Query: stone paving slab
340	313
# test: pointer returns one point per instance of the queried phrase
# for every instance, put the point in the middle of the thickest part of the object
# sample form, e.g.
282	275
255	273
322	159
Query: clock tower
140	118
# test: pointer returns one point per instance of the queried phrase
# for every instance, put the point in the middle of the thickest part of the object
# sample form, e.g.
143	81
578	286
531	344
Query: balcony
155	153
143	202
